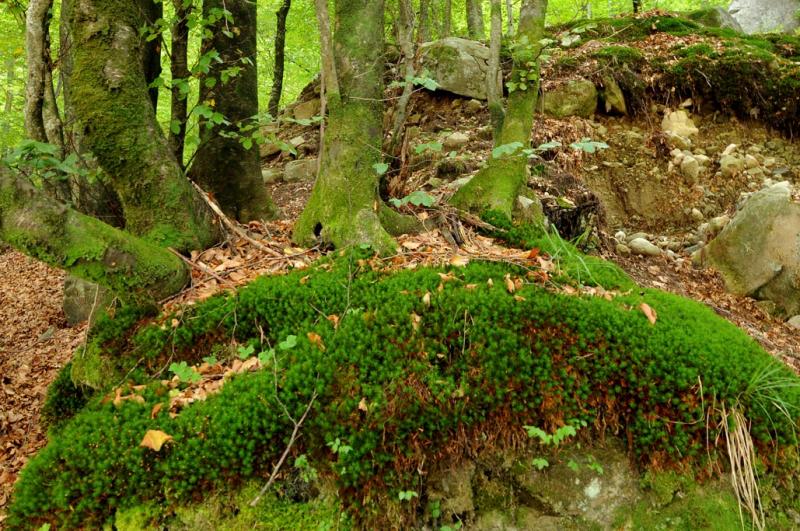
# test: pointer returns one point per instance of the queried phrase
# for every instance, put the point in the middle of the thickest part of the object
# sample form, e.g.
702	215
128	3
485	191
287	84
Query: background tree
225	164
475	27
179	68
497	185
280	58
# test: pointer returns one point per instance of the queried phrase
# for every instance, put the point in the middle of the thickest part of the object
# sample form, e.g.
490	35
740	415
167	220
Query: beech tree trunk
447	18
424	27
637	6
179	67
344	208
493	92
114	115
497	185
223	165
475	27
510	17
137	271
280	58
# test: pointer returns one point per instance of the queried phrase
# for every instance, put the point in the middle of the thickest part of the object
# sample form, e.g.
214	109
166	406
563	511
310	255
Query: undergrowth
408	368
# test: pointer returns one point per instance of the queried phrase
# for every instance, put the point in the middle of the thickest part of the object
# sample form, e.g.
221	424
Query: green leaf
506	149
420	198
430	146
211	360
406	495
289	343
264	357
380	168
588	145
245	352
175	127
540	463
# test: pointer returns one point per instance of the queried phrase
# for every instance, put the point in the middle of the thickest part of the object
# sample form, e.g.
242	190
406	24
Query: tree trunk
280	58
510	17
37	25
223	165
475	26
152	10
11	77
424	28
494	95
137	271
497	185
405	35
179	67
447	17
637	6
116	120
344	206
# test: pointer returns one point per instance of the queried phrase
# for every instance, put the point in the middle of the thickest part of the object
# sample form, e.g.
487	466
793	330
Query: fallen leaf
510	286
458	260
533	254
155	439
362	405
426	299
156	409
411	245
649	312
334	319
317	340
470	286
415	321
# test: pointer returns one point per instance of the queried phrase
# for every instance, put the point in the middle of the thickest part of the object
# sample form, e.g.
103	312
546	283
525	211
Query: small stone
644	247
300	170
307	109
270	175
455	141
473	106
524	202
690	168
750	161
730	149
718	223
619	236
794	322
679	123
297	141
730	165
697	215
623	250
636	235
671	254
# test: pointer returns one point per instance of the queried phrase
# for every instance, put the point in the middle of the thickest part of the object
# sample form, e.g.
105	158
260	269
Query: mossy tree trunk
223	165
280	58
137	271
114	114
475	26
344	208
497	185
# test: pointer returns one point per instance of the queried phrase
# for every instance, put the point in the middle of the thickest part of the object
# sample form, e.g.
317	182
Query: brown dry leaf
155	439
156	409
447	277
411	245
334	319
651	314
470	286
519	298
458	260
362	405
304	280
426	299
415	321
533	254
316	339
510	286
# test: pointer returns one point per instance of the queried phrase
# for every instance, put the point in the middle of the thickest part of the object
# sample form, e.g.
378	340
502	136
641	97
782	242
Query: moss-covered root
138	271
495	187
108	92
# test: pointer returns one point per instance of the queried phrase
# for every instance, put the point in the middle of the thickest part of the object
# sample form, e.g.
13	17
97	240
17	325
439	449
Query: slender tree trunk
447	18
137	271
11	78
510	17
637	6
37	25
404	39
493	91
114	113
151	11
223	165
475	26
280	58
179	66
497	185
424	27
344	206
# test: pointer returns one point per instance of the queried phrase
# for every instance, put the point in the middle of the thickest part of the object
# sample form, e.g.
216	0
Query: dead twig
201	267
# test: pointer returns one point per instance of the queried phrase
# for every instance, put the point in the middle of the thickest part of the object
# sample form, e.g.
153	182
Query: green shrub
400	378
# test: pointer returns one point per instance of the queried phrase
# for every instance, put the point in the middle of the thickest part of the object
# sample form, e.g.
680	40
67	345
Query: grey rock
620	236
697	215
794	322
716	17
644	247
636	235
623	250
452	487
758	252
300	170
690	168
730	165
679	123
270	175
761	16
83	300
307	109
458	66
613	98
577	97
455	141
473	106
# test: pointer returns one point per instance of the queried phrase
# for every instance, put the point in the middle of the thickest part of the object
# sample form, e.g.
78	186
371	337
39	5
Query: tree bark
137	271
497	185
344	206
37	24
494	95
424	27
475	26
405	35
114	112
637	6
510	17
11	77
179	67
280	58
223	165
447	16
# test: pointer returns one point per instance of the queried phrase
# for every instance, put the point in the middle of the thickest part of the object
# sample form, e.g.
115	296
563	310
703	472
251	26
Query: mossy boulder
458	66
762	16
716	17
758	252
576	97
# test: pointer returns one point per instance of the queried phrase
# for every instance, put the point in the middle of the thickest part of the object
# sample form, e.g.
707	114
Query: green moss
677	502
64	399
534	358
619	54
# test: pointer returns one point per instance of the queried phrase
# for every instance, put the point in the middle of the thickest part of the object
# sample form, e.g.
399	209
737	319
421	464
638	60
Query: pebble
644	247
794	322
623	250
636	236
619	236
697	215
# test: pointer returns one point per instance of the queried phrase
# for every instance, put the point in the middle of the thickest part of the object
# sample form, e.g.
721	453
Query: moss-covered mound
662	57
407	368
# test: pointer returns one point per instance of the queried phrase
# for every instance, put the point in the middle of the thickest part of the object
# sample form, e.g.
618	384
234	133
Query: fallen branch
201	267
232	225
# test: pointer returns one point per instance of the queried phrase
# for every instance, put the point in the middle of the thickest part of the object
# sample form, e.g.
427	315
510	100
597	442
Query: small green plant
307	472
418	198
406	495
185	373
435	147
540	463
245	352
